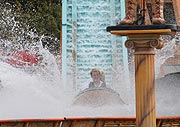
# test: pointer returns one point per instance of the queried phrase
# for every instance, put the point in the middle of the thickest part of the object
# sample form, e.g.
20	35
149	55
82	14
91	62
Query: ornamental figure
131	11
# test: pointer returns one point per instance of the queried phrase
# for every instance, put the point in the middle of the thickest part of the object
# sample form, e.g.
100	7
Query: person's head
95	74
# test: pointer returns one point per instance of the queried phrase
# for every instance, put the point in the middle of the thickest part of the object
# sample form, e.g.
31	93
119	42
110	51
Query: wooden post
144	41
143	46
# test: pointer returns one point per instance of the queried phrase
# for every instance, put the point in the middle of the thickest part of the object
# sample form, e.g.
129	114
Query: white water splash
37	92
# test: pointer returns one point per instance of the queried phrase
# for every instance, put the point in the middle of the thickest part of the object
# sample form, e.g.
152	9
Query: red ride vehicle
21	58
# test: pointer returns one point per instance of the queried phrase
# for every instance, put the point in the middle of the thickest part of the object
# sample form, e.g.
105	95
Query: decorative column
144	39
144	77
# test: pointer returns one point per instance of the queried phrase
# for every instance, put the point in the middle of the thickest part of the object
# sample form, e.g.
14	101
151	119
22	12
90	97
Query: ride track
163	121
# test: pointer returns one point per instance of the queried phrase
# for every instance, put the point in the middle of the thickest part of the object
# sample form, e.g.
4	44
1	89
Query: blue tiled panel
93	45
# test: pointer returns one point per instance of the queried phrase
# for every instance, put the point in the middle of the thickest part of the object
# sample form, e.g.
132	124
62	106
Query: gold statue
131	11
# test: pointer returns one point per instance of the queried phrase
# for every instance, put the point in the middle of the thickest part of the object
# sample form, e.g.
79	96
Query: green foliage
43	15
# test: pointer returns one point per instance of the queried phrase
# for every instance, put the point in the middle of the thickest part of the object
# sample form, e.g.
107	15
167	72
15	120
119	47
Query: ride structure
143	38
86	44
87	122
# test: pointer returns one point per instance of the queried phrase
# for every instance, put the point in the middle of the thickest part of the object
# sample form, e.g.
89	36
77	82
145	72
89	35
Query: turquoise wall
85	37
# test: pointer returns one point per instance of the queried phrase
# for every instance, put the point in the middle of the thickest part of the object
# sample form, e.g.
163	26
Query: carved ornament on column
143	43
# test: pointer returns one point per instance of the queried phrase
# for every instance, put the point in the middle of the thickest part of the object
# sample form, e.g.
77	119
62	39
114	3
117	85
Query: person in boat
98	79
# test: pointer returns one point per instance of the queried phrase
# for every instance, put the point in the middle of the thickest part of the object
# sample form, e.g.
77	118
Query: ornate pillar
144	77
143	38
